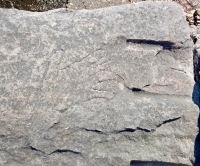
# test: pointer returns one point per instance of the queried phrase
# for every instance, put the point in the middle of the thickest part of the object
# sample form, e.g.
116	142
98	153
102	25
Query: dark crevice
62	110
147	130
34	149
168	121
96	131
165	44
142	129
158	52
179	70
136	89
65	151
194	39
130	130
126	130
54	126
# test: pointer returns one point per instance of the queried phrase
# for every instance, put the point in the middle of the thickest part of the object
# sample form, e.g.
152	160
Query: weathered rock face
97	87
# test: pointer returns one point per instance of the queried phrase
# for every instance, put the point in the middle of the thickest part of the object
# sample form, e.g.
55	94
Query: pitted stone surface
98	87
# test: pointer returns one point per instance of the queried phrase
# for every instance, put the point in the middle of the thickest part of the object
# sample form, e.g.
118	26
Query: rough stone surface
96	87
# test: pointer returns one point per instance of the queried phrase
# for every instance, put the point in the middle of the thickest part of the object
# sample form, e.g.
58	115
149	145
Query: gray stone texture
96	87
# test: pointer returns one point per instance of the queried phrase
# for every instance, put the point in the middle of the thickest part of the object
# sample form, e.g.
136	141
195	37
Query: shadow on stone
165	44
153	163
196	94
196	100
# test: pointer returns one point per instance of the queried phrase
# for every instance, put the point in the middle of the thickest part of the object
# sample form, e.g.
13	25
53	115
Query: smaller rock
196	61
198	12
197	17
190	17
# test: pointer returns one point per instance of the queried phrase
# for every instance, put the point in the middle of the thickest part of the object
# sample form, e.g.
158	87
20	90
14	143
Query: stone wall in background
34	5
44	5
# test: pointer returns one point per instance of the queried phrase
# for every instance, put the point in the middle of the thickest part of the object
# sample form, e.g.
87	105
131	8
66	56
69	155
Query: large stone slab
98	87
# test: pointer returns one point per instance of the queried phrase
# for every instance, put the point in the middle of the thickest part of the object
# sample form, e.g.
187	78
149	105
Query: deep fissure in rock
168	121
142	129
137	90
65	151
34	149
96	131
126	130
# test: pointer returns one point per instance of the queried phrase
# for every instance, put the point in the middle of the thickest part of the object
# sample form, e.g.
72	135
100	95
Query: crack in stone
100	81
146	130
95	131
159	51
54	125
135	89
56	151
179	70
168	121
131	130
126	130
62	110
65	151
118	75
99	90
78	61
35	149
